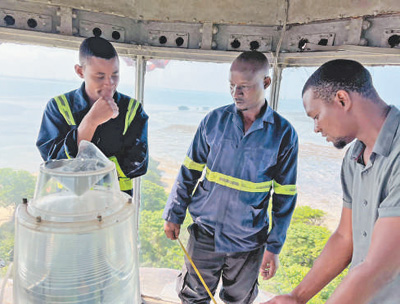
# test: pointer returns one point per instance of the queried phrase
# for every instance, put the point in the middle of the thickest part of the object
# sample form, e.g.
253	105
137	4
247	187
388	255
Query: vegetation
14	186
305	240
155	249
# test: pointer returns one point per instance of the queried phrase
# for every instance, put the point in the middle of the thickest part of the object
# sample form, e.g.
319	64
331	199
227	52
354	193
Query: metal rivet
363	41
215	30
366	25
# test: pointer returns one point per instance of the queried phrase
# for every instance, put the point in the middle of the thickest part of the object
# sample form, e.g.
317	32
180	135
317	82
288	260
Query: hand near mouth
103	108
108	96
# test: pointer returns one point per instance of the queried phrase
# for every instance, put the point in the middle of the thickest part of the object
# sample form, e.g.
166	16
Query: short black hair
96	47
255	57
340	74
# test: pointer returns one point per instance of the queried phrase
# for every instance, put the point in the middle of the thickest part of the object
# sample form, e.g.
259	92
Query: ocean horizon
173	119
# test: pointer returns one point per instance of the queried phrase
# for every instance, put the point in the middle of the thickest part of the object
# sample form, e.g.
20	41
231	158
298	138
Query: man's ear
79	70
343	100
267	82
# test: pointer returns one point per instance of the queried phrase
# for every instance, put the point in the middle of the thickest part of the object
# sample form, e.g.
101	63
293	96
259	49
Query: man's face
101	77
328	120
247	86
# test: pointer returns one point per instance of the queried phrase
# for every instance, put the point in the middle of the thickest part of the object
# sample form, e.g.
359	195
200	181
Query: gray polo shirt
372	191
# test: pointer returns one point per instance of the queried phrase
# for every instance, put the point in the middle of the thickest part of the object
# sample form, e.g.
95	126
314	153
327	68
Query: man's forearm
86	130
357	287
380	267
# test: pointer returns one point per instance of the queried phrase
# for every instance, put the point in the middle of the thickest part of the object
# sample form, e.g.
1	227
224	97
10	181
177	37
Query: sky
28	60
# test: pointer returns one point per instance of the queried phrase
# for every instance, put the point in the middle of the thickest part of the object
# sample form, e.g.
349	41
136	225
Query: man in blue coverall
96	112
246	153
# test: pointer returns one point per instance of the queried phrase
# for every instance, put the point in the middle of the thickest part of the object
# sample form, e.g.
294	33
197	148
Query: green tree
304	244
156	250
305	241
154	196
308	215
15	185
6	248
153	173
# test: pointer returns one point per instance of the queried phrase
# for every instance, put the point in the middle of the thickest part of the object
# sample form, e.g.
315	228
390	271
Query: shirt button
364	234
365	203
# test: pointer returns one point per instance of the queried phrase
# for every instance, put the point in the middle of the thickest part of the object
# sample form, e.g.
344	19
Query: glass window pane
319	163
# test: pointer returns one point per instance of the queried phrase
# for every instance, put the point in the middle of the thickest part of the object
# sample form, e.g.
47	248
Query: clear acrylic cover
76	241
76	189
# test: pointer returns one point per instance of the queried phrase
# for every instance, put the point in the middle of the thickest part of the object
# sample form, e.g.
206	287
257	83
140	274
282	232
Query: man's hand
269	265
283	299
103	109
172	230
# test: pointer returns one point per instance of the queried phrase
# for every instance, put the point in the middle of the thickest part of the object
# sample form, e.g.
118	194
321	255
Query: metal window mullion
275	87
139	93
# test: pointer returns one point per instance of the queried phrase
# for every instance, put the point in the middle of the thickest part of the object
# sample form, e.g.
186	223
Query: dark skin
101	78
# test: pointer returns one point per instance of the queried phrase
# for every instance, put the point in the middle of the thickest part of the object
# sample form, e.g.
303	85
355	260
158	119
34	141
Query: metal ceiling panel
262	12
305	11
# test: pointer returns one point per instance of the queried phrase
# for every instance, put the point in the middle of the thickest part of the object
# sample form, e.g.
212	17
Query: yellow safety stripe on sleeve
130	114
192	165
125	183
237	183
284	189
65	110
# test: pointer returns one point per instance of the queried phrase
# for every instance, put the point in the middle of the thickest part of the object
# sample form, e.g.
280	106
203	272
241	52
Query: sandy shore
6	214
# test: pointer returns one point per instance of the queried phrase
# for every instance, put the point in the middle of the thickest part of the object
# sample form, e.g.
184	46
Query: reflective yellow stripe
65	110
125	183
192	165
66	153
130	114
119	170
237	183
284	189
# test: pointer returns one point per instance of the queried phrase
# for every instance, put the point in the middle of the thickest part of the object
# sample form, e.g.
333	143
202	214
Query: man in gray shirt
344	105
